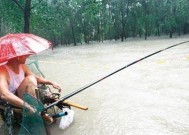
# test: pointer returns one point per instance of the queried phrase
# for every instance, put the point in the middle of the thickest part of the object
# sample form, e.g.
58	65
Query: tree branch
19	5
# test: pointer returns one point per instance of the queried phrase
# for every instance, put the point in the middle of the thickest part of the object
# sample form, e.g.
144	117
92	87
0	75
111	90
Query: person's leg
28	85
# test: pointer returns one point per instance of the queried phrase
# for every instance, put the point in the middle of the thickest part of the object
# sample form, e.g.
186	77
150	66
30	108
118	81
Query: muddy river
148	98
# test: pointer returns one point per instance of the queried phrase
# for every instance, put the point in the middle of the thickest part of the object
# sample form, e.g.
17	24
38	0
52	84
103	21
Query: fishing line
95	82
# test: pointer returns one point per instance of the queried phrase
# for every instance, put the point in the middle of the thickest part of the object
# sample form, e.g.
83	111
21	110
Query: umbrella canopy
14	45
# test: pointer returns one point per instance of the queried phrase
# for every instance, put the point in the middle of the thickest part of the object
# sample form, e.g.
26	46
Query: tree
77	21
26	8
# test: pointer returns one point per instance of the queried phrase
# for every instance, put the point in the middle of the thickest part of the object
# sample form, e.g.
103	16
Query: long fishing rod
93	83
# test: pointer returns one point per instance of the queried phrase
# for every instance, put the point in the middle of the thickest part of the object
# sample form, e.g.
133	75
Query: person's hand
57	86
29	108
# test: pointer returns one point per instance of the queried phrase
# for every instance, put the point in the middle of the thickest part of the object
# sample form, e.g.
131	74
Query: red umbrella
14	45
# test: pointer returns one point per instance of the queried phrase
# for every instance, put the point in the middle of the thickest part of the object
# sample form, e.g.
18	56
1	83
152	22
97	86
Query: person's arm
5	94
41	79
9	97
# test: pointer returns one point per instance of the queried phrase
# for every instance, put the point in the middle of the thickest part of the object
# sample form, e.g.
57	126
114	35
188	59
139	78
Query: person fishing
17	79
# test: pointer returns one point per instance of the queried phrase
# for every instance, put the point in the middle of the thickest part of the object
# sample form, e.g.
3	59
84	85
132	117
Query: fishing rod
95	82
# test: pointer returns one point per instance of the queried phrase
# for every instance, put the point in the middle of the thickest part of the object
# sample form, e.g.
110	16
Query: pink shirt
15	79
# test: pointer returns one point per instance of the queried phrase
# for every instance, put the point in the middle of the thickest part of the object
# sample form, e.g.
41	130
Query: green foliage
78	21
11	17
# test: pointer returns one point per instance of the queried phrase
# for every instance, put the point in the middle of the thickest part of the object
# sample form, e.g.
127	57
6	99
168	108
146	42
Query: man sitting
16	79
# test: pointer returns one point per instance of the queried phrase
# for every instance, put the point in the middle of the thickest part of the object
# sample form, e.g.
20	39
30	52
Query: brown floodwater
148	98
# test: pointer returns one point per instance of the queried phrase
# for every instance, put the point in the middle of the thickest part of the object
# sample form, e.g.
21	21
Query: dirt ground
148	98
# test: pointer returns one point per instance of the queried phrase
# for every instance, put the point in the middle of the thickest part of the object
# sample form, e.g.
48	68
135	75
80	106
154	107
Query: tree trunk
158	29
61	39
73	33
171	34
122	38
53	39
0	25
139	31
27	11
84	33
146	30
185	28
117	33
145	35
179	30
123	27
123	31
98	30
